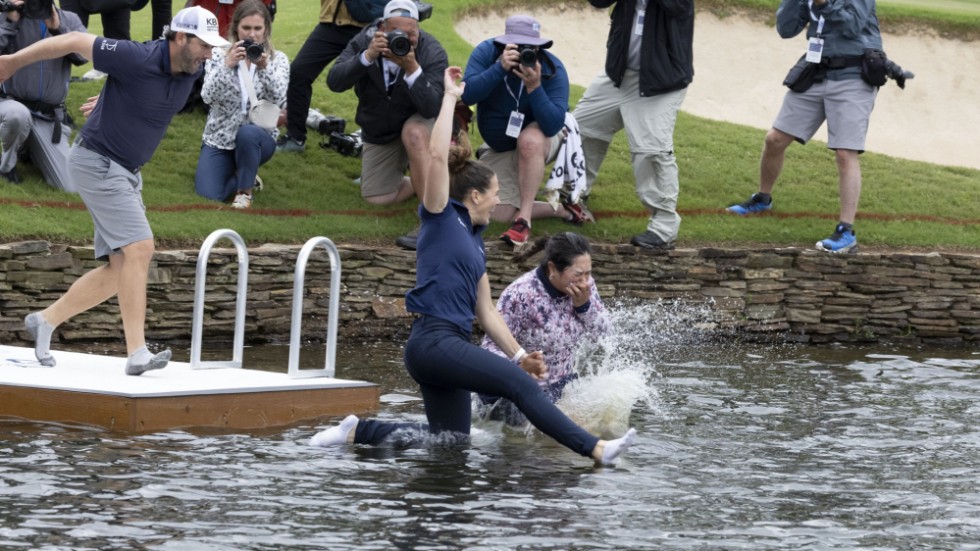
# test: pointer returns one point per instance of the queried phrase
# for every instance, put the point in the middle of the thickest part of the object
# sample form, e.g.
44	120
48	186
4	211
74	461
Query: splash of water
619	370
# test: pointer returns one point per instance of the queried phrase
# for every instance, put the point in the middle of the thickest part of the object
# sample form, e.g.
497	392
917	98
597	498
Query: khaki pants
649	123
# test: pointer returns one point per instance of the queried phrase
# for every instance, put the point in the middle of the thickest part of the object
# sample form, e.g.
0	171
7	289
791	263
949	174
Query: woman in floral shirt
233	148
552	308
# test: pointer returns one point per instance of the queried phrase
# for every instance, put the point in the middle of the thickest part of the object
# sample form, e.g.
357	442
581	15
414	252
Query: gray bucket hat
523	30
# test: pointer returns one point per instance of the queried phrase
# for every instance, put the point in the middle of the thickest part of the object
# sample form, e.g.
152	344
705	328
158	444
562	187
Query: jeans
448	367
223	172
324	44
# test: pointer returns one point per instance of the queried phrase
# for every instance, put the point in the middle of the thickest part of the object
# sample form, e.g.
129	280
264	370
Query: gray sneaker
289	145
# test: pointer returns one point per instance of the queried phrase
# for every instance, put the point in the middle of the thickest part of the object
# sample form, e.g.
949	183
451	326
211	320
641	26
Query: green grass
904	203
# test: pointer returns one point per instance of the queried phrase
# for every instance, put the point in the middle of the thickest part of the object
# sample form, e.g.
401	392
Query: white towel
568	173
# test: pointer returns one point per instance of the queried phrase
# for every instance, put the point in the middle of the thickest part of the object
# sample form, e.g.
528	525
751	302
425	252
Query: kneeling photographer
398	98
245	87
33	118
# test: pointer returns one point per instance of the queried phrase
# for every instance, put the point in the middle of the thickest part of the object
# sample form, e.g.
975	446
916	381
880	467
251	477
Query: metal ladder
296	332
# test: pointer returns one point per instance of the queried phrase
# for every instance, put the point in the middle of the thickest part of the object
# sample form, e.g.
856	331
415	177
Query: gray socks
615	448
142	361
335	436
40	331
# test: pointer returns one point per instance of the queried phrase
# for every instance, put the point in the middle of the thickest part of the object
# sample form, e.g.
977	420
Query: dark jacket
381	117
666	58
43	81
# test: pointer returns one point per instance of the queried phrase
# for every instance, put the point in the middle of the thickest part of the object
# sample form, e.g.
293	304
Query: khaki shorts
846	105
504	165
384	166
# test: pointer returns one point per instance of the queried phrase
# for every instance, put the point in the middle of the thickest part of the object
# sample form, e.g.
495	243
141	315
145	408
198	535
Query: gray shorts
113	196
383	166
504	165
846	105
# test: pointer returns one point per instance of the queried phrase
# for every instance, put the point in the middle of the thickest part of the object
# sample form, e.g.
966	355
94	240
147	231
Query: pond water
740	447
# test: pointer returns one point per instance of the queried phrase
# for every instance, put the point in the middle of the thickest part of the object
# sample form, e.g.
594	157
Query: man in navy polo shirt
147	84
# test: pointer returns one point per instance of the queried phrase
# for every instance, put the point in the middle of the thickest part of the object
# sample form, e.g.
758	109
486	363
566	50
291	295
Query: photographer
233	147
649	65
838	34
396	71
32	102
521	93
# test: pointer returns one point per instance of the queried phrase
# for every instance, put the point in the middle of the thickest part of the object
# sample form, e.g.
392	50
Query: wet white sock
335	436
615	448
41	332
143	360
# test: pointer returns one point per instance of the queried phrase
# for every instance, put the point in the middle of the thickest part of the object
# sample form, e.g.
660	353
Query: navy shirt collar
553	292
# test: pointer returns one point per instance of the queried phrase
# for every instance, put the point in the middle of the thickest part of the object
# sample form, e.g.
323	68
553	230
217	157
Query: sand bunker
739	66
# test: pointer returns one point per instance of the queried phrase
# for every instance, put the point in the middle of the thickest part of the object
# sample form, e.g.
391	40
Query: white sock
143	360
335	436
41	332
615	448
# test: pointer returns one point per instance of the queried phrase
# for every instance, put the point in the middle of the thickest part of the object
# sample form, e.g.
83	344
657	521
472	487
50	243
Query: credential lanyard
819	20
814	50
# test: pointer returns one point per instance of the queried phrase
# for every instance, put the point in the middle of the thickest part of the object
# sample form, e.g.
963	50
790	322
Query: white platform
94	389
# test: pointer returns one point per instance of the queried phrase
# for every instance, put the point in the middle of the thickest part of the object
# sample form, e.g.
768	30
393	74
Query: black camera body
330	124
253	50
31	9
348	145
425	10
398	42
528	55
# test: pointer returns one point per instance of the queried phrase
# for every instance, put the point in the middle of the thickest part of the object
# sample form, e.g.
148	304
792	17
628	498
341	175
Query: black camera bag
874	67
802	76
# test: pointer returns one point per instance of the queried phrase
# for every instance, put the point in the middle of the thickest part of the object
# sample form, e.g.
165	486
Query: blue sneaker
842	241
754	205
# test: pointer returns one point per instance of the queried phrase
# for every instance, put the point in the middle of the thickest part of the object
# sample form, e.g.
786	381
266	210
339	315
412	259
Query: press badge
815	50
515	123
226	1
638	30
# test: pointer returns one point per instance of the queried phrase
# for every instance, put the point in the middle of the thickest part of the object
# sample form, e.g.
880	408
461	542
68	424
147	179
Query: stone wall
791	294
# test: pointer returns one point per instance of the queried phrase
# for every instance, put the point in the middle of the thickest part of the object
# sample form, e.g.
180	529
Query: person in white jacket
233	147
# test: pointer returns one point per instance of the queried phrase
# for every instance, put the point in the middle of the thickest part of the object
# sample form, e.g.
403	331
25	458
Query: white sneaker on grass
242	201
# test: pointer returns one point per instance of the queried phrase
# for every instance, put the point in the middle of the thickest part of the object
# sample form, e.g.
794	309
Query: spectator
649	65
32	102
233	147
397	97
553	308
329	38
838	34
521	109
452	289
152	79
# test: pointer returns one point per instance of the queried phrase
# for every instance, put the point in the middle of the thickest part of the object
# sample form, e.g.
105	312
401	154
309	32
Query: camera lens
253	50
398	43
528	55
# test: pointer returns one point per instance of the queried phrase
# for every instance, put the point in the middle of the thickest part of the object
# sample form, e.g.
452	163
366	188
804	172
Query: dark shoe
518	234
11	176
289	145
650	240
408	241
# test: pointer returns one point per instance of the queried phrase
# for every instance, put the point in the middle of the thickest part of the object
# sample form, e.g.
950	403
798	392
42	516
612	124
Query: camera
425	10
253	50
348	145
896	73
398	42
325	124
31	9
528	55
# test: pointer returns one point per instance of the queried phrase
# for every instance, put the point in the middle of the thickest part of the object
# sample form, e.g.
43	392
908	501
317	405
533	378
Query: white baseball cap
200	23
401	8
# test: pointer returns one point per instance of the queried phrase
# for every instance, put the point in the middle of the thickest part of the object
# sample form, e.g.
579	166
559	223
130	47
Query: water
740	447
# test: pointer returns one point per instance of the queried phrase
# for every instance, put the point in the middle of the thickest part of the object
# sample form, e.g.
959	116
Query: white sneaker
259	185
94	74
242	201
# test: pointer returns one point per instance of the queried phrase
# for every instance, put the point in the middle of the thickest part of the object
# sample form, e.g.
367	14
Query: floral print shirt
222	90
542	318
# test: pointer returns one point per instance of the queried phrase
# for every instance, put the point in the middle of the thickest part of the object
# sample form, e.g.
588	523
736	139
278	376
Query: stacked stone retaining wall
790	294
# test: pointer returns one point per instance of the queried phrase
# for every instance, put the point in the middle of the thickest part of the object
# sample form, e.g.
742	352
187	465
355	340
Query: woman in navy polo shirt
451	289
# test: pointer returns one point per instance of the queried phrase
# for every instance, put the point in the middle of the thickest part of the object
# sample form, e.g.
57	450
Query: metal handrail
297	319
198	319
